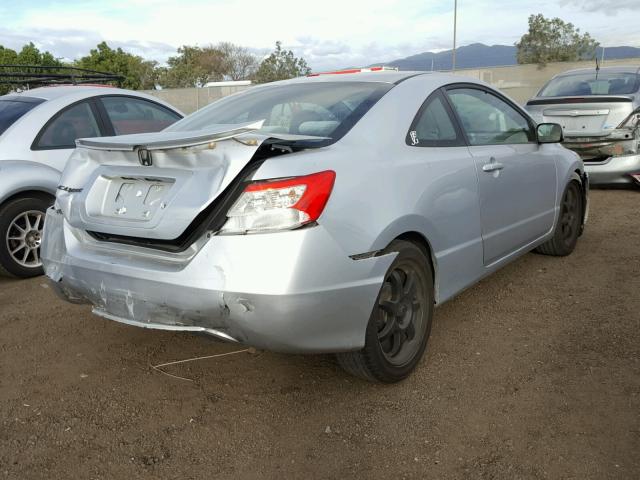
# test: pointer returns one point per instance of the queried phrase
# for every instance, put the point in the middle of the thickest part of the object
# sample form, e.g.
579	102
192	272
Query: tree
195	66
553	40
138	73
28	55
281	65
240	64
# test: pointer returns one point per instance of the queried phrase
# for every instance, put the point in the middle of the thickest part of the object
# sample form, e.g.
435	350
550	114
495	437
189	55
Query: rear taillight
281	204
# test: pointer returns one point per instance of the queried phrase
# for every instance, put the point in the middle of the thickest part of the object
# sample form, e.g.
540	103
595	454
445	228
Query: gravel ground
533	373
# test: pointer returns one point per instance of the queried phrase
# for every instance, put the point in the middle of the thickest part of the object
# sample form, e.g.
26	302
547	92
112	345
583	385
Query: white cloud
329	34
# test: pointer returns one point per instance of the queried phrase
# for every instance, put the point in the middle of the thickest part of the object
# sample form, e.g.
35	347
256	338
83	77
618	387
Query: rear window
320	109
585	84
12	109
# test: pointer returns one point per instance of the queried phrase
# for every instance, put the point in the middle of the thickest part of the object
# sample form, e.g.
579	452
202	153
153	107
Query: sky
327	33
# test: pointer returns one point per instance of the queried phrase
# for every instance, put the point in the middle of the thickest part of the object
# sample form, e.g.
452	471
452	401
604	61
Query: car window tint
73	123
592	83
11	110
134	115
488	120
323	109
432	126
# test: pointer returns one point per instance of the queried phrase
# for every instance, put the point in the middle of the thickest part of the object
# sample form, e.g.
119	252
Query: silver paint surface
301	290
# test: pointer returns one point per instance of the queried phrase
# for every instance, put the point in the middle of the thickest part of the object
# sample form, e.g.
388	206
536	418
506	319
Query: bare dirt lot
533	373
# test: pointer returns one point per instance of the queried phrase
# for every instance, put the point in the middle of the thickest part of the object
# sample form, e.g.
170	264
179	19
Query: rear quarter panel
385	188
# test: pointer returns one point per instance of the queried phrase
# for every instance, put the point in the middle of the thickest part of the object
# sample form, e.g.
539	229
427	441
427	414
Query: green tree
194	66
281	65
138	73
28	55
553	40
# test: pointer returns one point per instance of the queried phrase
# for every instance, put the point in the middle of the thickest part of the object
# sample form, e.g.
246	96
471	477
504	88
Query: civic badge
144	156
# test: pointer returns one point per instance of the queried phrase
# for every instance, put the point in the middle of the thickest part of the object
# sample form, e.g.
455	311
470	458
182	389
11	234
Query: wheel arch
21	178
421	241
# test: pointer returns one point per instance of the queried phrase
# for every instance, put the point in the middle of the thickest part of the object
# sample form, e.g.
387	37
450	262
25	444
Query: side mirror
549	133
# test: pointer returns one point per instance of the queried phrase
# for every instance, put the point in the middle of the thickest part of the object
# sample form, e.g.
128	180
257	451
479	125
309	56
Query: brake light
280	204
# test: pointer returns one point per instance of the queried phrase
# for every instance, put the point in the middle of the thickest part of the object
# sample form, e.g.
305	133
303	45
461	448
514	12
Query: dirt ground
533	373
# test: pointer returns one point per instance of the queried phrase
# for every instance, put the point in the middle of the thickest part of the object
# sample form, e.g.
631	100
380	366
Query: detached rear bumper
290	291
617	170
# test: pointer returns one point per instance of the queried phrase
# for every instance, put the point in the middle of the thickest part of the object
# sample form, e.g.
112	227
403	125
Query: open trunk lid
153	185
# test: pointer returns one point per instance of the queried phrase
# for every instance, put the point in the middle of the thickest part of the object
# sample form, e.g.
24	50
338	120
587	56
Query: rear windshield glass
585	84
318	109
12	110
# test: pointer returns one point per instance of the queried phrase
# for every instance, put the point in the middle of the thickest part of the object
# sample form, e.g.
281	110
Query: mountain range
479	55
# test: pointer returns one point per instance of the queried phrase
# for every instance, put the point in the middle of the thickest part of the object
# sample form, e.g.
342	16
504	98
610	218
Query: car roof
55	92
617	69
72	93
388	76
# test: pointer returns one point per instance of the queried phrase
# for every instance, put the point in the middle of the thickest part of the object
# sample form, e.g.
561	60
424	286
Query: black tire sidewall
376	361
568	248
8	212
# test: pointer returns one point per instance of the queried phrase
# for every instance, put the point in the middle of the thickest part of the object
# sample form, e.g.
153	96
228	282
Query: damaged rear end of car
599	112
176	231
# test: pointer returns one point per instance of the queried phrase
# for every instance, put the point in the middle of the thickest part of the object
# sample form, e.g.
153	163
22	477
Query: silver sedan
321	214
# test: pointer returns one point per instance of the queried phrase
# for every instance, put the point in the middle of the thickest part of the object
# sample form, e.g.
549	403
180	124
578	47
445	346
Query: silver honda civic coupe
321	214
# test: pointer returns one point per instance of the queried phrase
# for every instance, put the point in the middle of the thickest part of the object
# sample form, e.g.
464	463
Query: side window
134	115
488	120
75	122
433	126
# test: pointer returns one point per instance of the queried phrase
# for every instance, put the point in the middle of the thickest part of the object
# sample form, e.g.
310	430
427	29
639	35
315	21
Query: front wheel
569	224
21	224
400	323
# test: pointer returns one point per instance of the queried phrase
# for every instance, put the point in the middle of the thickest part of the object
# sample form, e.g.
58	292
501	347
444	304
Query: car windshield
314	109
13	108
585	84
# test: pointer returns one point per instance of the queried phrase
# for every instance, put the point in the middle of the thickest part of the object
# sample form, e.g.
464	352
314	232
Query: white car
38	130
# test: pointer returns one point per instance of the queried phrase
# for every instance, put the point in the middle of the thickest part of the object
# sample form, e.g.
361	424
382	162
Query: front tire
21	224
400	323
569	225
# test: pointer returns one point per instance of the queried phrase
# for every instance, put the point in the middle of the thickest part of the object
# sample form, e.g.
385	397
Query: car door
56	140
445	176
127	114
516	180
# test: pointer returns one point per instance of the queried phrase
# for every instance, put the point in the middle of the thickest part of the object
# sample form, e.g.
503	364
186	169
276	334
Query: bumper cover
614	170
290	291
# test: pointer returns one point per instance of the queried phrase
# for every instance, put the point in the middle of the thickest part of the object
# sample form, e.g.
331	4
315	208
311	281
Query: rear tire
569	225
400	323
21	224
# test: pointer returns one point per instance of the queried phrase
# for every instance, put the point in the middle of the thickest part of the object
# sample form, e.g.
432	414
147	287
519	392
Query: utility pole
455	21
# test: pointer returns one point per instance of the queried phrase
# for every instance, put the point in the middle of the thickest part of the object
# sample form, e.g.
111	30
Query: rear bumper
290	291
614	170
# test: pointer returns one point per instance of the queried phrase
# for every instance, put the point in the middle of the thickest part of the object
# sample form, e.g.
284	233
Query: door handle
492	167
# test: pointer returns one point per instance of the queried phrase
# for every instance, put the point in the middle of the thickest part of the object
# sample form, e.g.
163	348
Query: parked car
38	130
322	214
599	111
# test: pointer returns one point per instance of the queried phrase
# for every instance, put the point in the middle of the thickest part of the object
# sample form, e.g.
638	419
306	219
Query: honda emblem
145	157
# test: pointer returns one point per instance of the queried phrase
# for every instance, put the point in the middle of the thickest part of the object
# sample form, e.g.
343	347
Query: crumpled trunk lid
152	185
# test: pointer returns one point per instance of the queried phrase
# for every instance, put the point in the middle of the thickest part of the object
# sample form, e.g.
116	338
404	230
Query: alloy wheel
23	238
